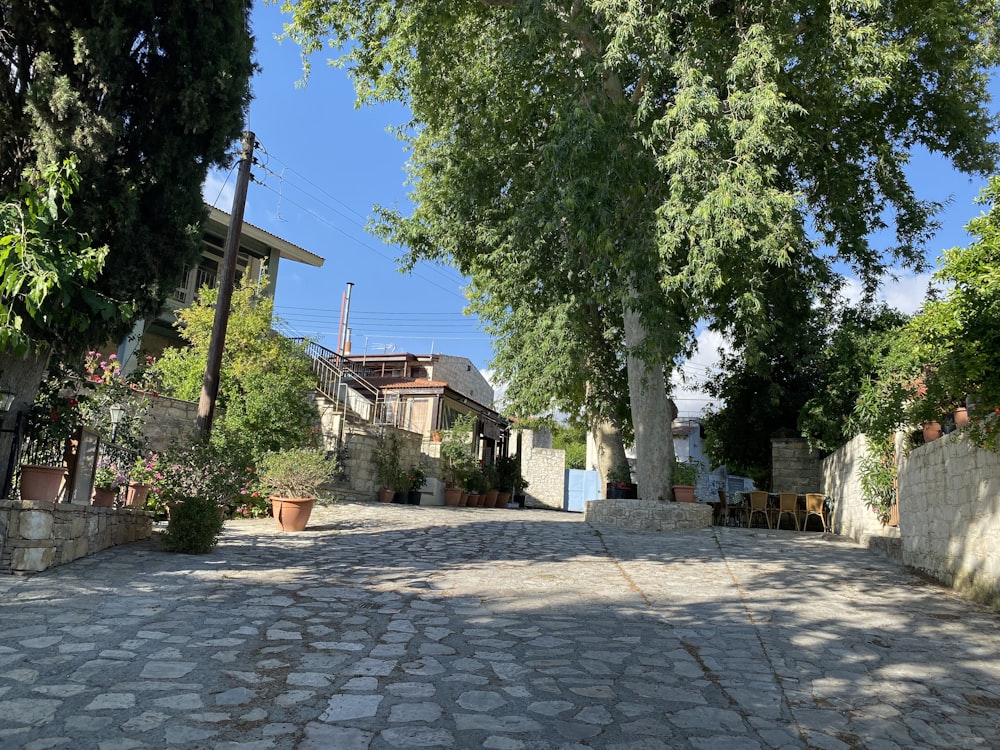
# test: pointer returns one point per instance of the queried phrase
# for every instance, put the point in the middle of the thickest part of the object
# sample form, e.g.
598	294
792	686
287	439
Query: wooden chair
758	504
788	505
815	506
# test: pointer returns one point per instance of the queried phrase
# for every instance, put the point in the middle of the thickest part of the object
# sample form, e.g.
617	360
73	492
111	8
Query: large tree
147	96
668	158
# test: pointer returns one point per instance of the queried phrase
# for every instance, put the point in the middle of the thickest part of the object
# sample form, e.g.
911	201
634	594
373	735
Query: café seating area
772	510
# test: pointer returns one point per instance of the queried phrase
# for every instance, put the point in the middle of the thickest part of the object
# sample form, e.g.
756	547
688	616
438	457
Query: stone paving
390	626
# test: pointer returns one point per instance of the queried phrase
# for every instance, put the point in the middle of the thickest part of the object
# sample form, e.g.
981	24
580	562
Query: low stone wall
648	515
35	536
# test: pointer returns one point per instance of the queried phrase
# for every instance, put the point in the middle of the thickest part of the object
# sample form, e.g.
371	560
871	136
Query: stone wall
949	512
545	469
794	468
169	420
842	485
463	377
359	464
35	536
647	515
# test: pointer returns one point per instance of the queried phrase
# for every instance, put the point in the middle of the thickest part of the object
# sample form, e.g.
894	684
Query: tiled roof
400	383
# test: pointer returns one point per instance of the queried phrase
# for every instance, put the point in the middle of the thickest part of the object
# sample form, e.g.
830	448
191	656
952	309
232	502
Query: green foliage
388	467
509	477
572	438
416	477
877	474
856	347
583	162
946	354
106	387
620	474
198	469
194	526
45	264
457	460
686	473
475	481
265	382
148	97
296	473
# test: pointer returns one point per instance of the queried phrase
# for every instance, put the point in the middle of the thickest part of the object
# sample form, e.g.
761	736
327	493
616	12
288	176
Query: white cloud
906	292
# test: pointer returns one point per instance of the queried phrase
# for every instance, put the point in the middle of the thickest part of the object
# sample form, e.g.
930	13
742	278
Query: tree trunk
652	416
20	376
605	448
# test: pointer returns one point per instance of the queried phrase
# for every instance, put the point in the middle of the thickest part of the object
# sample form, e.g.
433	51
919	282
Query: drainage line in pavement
760	640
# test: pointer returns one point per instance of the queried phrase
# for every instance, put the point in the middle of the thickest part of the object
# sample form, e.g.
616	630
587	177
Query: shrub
194	526
298	472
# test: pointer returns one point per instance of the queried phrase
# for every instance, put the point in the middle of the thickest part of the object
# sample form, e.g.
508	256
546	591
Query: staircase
342	382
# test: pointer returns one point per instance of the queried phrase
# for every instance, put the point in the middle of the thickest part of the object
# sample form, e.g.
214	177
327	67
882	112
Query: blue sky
324	164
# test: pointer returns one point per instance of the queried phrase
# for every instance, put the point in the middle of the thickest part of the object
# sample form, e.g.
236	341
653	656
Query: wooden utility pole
227	280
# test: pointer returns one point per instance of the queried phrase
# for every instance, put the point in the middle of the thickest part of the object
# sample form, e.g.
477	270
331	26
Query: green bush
298	472
194	526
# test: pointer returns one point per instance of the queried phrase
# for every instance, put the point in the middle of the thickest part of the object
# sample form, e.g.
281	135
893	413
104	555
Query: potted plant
292	478
416	477
620	485
107	480
52	421
685	477
491	482
456	458
509	478
388	472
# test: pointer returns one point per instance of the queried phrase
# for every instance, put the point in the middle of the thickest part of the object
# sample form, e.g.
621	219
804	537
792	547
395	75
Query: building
259	250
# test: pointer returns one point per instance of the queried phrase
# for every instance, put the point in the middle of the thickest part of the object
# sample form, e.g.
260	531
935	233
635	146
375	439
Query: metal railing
342	381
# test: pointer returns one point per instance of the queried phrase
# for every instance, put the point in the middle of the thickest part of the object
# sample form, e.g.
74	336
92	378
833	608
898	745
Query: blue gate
581	486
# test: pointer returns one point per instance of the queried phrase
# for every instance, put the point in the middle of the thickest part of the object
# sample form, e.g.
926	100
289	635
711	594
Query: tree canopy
147	96
665	161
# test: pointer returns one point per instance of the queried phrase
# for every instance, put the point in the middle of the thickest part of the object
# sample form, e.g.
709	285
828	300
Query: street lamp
117	412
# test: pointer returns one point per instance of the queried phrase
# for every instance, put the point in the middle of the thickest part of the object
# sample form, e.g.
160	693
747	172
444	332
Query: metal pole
227	280
347	318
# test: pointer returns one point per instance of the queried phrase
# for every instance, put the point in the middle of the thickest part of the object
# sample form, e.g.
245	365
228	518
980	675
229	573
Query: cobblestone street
391	626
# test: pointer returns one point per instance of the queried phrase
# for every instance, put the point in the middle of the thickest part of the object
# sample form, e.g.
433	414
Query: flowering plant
107	475
53	418
416	476
255	506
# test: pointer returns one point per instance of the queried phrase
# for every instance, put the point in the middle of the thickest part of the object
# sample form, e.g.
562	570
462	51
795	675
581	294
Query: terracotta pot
292	513
490	499
684	493
137	494
961	417
452	496
42	482
385	496
502	499
472	500
932	431
102	498
465	499
893	515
